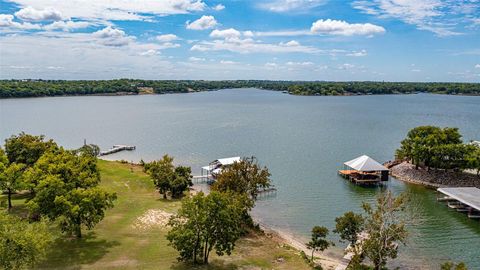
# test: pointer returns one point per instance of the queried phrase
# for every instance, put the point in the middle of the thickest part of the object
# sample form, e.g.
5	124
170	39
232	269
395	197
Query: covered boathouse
462	199
215	167
364	171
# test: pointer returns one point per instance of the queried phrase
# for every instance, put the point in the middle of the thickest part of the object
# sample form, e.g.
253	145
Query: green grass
116	244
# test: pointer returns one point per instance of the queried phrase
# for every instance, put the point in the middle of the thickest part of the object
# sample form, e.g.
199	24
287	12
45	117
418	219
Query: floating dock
462	199
364	171
117	148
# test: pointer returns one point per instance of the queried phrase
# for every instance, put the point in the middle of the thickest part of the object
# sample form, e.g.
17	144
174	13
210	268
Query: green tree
168	178
349	226
11	179
27	149
385	228
318	240
473	160
453	266
91	149
22	244
67	190
244	177
206	223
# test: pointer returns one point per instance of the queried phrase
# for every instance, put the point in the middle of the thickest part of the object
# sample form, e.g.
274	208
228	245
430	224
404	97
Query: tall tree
11	180
67	189
206	223
22	244
244	177
318	241
27	149
168	178
349	226
385	227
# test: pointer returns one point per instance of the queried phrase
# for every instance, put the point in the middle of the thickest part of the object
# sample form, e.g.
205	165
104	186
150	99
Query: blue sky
391	40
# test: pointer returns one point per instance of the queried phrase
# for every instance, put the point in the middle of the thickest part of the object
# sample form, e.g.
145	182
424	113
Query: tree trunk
9	199
78	231
313	250
205	258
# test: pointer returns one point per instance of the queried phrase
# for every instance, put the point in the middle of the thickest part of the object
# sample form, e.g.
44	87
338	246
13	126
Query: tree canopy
206	223
318	240
65	185
385	227
168	178
244	177
349	226
38	88
439	148
22	244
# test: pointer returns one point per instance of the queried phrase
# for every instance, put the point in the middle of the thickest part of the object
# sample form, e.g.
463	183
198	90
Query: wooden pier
117	148
462	199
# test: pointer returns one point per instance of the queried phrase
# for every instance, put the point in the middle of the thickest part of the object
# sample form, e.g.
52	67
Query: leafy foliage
244	177
440	148
385	228
206	223
453	266
349	226
37	88
22	244
168	178
318	241
27	149
66	188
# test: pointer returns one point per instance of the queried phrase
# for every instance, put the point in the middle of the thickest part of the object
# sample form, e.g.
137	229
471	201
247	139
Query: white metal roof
365	163
466	195
228	161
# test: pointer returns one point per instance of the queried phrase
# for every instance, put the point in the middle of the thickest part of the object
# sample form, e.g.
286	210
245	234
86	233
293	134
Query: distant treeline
40	88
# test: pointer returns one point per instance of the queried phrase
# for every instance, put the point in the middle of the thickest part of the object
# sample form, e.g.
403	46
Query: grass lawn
117	243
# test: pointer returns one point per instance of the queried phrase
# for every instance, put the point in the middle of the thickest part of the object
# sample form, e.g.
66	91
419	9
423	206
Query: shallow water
303	141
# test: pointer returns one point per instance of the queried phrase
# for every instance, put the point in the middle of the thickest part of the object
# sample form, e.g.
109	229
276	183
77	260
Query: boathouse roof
365	164
466	195
228	161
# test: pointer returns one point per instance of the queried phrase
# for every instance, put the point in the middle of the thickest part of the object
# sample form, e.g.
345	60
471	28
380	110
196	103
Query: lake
302	140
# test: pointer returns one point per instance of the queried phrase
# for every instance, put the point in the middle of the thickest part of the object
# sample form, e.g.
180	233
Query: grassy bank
122	241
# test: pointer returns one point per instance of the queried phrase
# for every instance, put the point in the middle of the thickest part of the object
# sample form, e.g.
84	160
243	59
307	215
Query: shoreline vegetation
49	88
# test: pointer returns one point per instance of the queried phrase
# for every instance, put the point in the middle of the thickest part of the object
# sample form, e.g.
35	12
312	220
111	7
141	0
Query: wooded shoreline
46	88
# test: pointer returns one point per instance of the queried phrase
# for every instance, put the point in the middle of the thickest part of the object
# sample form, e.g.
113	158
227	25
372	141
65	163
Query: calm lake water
302	140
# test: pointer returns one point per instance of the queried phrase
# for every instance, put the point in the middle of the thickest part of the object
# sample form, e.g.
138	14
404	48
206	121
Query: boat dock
364	171
462	199
117	148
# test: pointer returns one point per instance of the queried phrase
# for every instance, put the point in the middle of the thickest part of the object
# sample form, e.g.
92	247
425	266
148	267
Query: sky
334	40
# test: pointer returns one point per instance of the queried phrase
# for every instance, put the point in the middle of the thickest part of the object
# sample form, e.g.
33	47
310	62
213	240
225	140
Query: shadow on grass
213	265
71	253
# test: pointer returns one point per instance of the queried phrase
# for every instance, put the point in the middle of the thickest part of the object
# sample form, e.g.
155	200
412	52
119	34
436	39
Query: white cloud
358	53
196	59
335	27
219	7
307	63
115	9
110	36
167	38
66	25
6	20
205	22
346	66
292	43
37	15
271	65
438	16
230	33
233	43
227	62
416	70
291	5
477	66
150	52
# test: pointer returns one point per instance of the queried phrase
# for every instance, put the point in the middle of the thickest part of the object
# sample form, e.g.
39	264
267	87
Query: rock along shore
433	178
